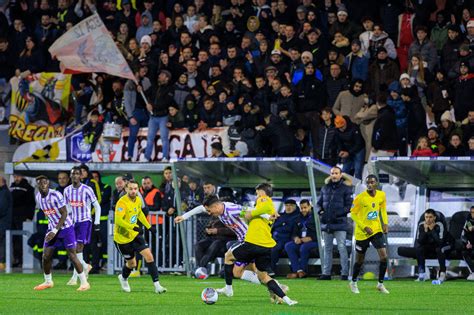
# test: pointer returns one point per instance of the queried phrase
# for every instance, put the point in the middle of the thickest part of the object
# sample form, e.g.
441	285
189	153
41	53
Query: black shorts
128	250
377	240
248	253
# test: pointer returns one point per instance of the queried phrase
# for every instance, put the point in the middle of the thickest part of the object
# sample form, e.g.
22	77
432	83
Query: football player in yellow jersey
257	246
128	236
369	212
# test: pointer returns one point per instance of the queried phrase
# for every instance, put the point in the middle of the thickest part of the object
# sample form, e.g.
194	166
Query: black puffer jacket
164	98
350	139
23	200
334	204
310	95
385	130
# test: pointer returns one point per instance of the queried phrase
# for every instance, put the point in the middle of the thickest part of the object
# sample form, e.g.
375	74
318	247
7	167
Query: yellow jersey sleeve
142	217
259	229
383	208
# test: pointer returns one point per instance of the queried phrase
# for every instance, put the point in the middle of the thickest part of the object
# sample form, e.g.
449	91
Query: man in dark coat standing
6	205
334	204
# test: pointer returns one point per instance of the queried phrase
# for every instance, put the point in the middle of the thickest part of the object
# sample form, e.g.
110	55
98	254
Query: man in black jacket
214	244
432	237
304	240
384	136
350	146
283	228
310	100
278	135
23	210
163	99
334	204
5	217
467	238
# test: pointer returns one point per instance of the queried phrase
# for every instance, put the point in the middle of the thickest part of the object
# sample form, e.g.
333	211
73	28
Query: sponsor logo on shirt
77	203
49	212
372	215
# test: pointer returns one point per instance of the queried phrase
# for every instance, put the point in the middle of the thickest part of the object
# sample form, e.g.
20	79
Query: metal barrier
166	244
8	247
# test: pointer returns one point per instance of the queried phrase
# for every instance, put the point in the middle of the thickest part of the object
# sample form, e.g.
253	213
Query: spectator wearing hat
282	229
425	47
464	55
379	39
470	33
350	102
434	142
450	51
316	45
416	112
135	106
396	102
162	100
382	71
384	137
334	204
344	25
217	150
439	95
276	60
310	100
146	27
463	92
147	57
350	146
447	127
127	15
356	62
175	118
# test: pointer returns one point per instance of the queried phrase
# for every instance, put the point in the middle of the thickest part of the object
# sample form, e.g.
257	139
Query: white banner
182	144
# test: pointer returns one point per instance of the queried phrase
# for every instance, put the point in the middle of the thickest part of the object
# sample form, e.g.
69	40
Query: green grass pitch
183	297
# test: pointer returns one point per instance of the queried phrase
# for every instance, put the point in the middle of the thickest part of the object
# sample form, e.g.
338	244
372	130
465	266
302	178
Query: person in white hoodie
380	39
191	19
364	38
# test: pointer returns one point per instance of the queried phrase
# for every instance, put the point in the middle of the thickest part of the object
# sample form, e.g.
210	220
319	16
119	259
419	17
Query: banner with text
38	104
182	144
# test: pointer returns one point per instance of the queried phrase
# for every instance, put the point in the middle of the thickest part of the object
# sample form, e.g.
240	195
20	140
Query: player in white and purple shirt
60	232
230	215
79	199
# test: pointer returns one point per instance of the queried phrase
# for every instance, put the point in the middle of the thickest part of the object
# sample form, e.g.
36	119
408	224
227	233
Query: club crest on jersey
372	215
133	219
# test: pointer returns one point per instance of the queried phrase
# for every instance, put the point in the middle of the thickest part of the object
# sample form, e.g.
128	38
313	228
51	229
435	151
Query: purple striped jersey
50	205
80	201
231	218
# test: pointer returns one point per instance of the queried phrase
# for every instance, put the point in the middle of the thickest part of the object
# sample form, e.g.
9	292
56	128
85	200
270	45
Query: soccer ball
368	276
201	273
209	296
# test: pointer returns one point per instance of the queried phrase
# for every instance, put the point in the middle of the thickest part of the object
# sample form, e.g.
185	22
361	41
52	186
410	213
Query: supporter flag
88	47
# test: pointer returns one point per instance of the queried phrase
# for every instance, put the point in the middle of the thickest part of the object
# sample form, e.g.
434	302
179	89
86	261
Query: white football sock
82	278
250	276
80	256
286	299
48	278
228	288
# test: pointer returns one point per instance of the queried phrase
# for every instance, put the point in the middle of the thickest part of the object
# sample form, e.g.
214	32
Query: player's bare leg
360	257
382	268
85	266
274	287
47	261
229	261
71	252
152	270
126	270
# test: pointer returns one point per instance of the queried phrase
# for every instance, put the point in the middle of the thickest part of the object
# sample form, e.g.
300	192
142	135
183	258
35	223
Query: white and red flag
88	47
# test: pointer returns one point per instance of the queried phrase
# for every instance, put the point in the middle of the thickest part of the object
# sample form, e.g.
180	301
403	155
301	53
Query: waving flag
88	47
